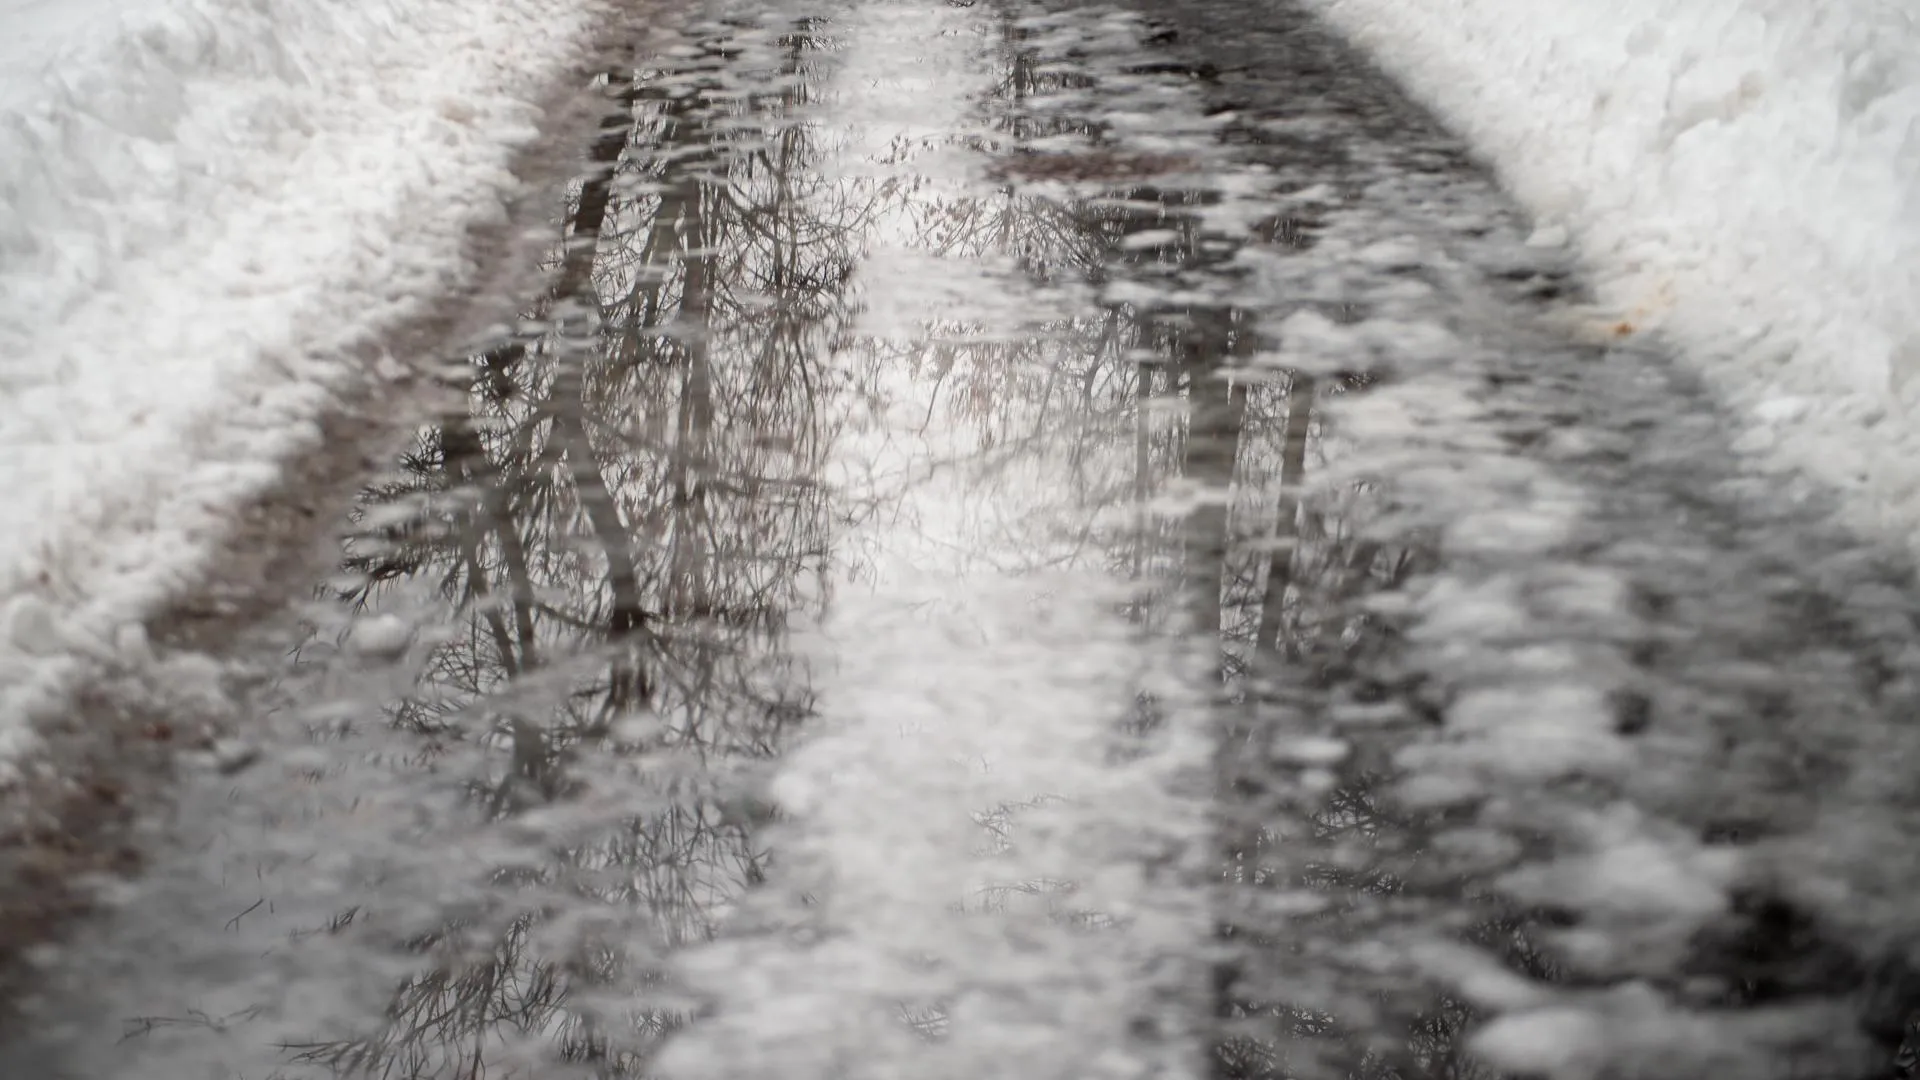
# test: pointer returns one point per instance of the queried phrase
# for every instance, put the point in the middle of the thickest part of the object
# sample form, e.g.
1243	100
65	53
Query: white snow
1562	1042
209	211
1737	174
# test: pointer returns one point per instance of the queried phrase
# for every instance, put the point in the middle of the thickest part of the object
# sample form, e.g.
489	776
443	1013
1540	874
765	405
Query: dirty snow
209	211
1737	174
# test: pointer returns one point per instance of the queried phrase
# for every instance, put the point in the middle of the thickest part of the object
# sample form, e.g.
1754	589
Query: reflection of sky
964	353
968	671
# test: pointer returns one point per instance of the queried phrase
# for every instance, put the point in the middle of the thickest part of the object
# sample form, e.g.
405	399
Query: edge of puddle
71	826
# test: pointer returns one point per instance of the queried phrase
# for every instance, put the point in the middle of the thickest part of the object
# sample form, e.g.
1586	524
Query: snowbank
205	206
1736	173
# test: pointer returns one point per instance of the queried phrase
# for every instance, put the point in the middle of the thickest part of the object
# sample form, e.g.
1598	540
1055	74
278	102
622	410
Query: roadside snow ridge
205	205
1737	173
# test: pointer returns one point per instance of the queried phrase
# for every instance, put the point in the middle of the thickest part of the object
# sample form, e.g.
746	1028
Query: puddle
763	640
1007	549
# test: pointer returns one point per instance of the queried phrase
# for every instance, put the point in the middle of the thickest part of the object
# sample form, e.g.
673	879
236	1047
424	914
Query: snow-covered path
1052	540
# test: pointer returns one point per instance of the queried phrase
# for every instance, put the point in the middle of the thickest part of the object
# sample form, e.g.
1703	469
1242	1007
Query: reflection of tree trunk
570	412
628	613
695	421
514	553
1213	443
463	452
663	234
1216	410
1293	472
582	238
596	192
685	133
1142	465
1021	79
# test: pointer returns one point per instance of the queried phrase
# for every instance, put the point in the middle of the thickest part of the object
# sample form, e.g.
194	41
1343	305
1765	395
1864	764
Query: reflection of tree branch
462	449
603	517
1293	471
482	594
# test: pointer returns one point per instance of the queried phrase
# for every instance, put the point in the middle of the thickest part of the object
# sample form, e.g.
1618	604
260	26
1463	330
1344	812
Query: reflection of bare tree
1268	568
629	509
1257	559
1317	868
1273	571
624	518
